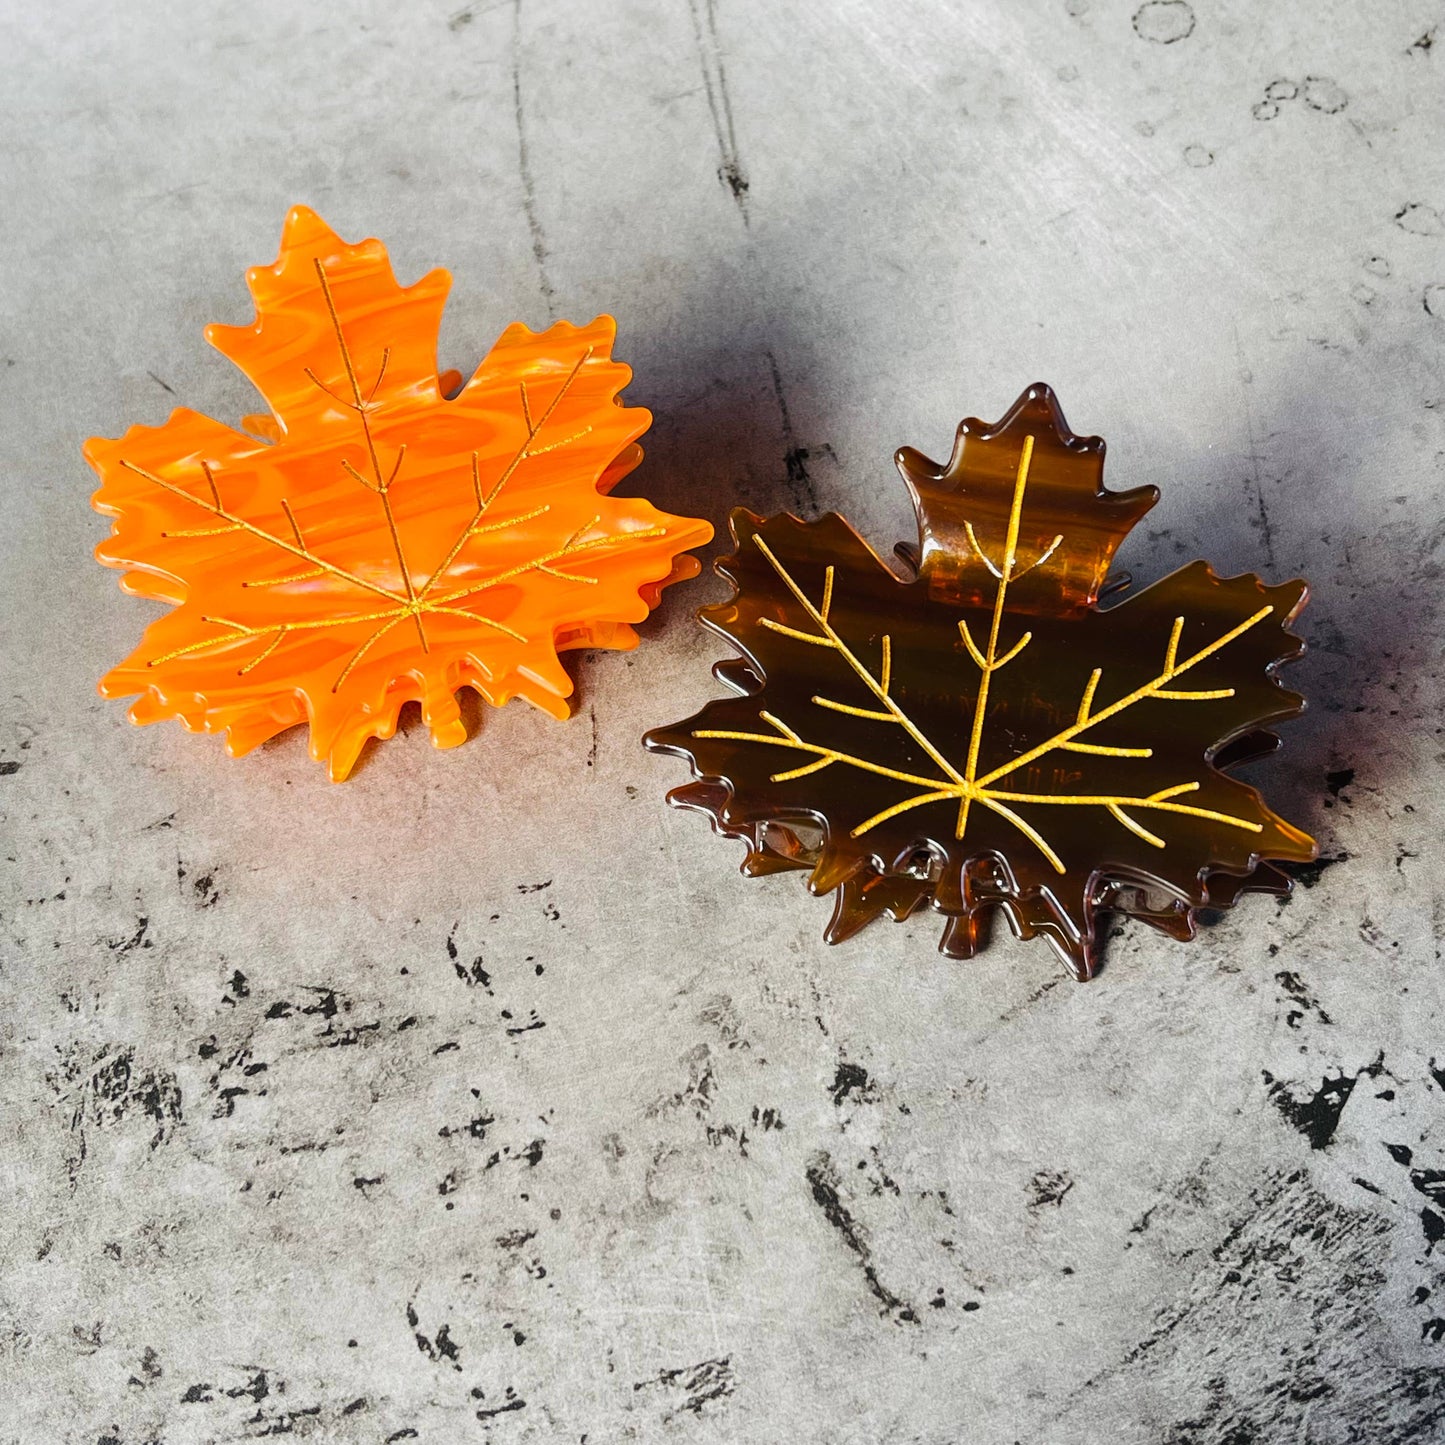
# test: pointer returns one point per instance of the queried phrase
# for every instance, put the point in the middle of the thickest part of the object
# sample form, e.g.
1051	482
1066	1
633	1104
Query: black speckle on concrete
824	1183
1048	1188
1339	779
511	1401
1430	1183
851	1081
1308	874
1316	1112
693	1387
1433	1226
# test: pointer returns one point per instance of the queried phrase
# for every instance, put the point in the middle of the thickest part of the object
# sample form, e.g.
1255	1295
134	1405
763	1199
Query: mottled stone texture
479	1098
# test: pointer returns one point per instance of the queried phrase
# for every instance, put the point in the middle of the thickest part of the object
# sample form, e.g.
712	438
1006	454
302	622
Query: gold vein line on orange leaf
383	487
301	551
411	609
360	407
511	521
365	647
241	631
285	507
202	532
415	604
266	652
541	564
406	607
522	452
293	577
554	446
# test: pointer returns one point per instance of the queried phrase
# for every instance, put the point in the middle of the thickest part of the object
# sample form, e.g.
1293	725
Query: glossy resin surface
983	735
385	534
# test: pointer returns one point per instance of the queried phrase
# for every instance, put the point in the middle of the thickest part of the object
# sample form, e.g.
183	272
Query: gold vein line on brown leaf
962	787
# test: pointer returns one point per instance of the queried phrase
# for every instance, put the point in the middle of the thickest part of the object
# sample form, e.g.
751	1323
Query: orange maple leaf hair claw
385	535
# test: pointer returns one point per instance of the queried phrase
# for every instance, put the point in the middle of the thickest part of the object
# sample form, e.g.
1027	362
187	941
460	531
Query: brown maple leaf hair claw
385	534
982	735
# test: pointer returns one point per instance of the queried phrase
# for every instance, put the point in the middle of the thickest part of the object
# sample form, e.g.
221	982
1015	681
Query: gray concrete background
479	1098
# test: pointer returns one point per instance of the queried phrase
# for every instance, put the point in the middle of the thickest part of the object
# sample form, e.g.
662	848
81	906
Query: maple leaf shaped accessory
983	735
385	534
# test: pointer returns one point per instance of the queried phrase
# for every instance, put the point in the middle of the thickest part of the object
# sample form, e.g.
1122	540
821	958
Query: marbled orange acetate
375	539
